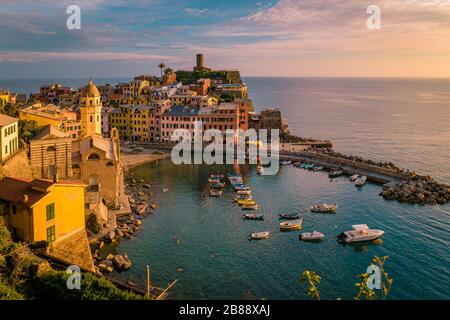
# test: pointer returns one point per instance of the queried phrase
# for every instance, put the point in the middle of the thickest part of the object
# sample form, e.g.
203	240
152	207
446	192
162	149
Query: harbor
193	237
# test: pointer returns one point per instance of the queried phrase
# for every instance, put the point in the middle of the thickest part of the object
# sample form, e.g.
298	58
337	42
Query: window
93	156
50	211
51	234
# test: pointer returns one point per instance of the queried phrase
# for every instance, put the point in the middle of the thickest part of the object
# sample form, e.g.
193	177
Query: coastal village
65	152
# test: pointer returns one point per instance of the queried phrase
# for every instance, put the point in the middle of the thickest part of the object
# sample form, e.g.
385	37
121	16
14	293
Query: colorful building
5	97
42	210
9	137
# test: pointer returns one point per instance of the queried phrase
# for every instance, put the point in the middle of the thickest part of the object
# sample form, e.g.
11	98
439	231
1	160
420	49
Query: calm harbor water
398	120
203	243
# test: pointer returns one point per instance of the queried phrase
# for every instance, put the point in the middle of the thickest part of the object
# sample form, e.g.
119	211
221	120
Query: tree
168	71
161	66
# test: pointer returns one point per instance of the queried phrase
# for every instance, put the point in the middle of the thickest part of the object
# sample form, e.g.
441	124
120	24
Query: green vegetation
161	66
27	129
364	292
25	276
189	77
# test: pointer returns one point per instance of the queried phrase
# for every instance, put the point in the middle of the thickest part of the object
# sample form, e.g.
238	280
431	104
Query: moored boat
354	177
253	216
244	192
335	173
289	216
246	202
360	233
285	162
324	208
318	168
291	225
361	181
250	206
260	235
217	185
312	236
215	193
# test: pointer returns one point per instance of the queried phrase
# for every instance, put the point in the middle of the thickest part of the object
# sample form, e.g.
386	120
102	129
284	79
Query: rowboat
289	216
215	193
260	235
324	208
244	192
335	173
361	181
312	236
360	233
354	177
253	217
248	206
291	225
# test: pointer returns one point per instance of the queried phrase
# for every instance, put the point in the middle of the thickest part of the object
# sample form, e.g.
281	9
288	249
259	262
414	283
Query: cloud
195	11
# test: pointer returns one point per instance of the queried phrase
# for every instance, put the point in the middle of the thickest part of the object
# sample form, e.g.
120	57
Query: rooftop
6	120
182	111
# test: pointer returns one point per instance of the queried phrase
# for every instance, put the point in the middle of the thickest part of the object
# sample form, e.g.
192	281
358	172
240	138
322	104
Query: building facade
9	137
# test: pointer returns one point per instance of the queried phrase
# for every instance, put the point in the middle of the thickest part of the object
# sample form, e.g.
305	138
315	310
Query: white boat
260	170
312	236
291	225
361	181
285	162
260	235
319	168
322	208
360	233
354	177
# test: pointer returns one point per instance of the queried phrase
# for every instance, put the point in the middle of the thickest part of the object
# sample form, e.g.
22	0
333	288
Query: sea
203	242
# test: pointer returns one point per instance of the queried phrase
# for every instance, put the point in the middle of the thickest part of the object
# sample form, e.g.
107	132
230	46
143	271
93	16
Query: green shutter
50	211
51	234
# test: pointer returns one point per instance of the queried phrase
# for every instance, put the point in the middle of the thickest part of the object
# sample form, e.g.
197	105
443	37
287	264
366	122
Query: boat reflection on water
363	247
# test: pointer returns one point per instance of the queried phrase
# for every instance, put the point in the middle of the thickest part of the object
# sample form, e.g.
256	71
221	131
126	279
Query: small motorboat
241	187
253	217
318	168
246	202
250	206
217	185
260	235
324	208
285	162
215	193
244	192
214	180
309	167
312	236
361	181
291	225
354	177
242	197
335	173
360	233
289	216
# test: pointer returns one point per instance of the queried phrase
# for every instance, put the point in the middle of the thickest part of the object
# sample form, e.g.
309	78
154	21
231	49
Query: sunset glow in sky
258	37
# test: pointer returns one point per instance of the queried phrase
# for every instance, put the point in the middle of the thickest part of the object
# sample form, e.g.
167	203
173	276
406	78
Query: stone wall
18	166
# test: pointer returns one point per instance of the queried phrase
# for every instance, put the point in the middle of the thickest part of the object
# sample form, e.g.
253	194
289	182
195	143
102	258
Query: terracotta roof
6	120
49	132
14	190
41	184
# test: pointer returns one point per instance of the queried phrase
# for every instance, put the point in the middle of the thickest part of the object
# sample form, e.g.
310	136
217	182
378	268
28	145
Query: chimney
56	177
25	198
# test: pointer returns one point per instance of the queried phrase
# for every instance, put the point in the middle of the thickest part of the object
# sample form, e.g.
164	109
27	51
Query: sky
285	38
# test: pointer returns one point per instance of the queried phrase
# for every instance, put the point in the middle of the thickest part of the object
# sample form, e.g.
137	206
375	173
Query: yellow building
9	137
132	122
42	210
45	115
5	97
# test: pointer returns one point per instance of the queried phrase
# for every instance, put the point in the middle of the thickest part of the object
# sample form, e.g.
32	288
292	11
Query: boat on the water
309	166
215	193
214	180
361	181
312	236
285	162
240	187
217	185
318	168
253	216
246	202
260	235
291	225
324	208
242	197
335	173
244	192
354	177
289	216
360	233
250	206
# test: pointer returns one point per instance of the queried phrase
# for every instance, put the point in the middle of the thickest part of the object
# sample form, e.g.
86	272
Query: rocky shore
142	204
416	189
